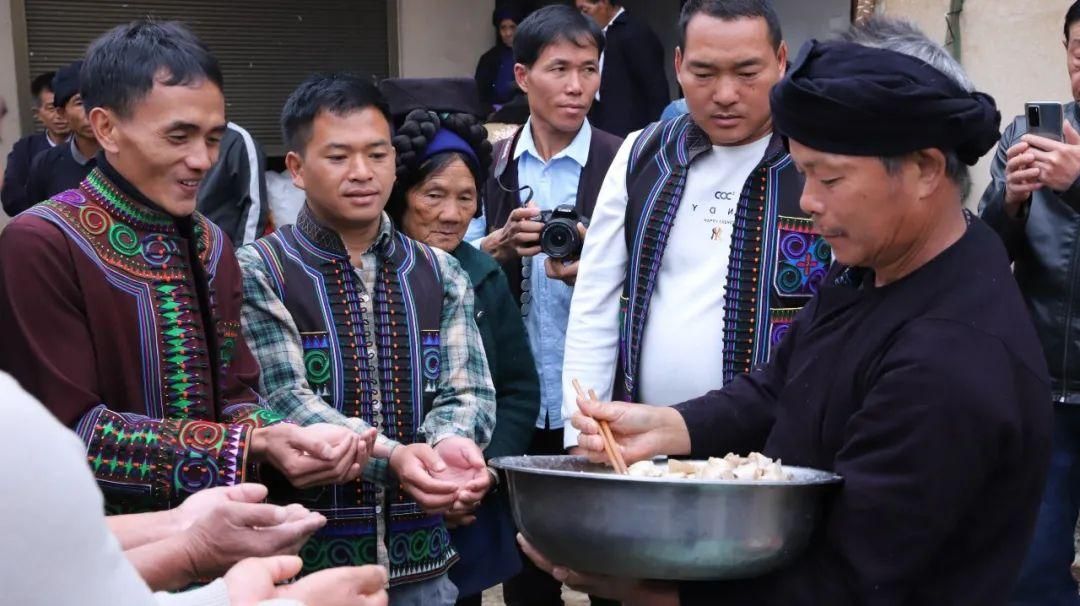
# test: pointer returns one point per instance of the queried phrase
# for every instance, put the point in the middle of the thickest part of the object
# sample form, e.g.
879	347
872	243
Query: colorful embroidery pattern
803	260
779	324
144	246
431	358
340	323
317	362
228	333
154	461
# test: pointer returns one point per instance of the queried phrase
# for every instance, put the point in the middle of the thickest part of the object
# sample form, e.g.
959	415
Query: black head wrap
854	100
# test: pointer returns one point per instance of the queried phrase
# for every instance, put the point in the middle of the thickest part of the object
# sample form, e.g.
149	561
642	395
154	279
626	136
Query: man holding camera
698	228
1033	202
547	175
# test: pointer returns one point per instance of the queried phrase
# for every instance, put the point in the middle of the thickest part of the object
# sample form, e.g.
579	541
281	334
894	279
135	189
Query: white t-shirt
682	345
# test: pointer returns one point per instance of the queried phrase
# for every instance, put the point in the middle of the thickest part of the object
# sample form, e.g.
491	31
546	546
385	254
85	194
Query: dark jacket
14	195
233	193
929	398
633	84
492	90
487	547
57	170
501	190
1045	250
513	371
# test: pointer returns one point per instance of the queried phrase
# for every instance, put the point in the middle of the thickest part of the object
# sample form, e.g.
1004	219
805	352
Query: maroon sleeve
49	350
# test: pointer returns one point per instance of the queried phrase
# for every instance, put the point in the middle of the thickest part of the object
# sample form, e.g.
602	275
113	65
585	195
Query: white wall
1011	49
9	129
803	20
442	38
9	89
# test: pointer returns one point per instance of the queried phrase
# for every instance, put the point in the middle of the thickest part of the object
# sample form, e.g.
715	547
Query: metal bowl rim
509	464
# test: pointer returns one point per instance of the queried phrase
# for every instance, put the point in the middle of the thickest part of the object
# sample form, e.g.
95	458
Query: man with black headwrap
914	373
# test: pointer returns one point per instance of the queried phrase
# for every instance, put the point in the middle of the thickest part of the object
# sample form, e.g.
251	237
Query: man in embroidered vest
354	323
698	227
120	305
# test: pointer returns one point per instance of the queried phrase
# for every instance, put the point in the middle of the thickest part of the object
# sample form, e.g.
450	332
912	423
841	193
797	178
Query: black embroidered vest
775	266
313	276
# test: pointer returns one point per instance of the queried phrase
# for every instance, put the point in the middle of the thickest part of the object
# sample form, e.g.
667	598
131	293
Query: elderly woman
442	162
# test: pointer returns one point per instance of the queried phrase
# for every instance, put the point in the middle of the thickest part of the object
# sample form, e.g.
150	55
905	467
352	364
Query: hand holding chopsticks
611	447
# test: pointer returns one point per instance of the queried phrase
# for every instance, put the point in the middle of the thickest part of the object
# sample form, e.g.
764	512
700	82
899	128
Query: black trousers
532	586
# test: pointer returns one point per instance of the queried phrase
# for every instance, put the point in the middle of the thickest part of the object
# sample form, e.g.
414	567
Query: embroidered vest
775	266
140	250
313	276
178	344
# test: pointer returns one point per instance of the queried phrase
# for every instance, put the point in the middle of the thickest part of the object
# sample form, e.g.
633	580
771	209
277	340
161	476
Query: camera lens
1033	116
559	239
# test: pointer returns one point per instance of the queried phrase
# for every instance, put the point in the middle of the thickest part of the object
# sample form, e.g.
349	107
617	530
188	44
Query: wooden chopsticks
611	448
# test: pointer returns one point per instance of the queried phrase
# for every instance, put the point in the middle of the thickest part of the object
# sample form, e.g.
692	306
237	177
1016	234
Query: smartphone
1046	119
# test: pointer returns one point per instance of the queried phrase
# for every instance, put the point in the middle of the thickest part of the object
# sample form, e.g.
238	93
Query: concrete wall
802	20
1011	50
441	38
9	84
10	127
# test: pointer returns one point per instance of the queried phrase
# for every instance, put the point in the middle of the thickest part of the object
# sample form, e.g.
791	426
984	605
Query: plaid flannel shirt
465	402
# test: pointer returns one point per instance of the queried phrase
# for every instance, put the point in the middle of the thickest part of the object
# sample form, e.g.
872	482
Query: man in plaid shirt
355	324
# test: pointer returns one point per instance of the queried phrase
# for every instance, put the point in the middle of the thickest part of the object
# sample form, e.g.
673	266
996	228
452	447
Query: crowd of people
216	406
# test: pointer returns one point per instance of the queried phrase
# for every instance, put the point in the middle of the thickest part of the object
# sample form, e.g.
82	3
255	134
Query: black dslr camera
560	238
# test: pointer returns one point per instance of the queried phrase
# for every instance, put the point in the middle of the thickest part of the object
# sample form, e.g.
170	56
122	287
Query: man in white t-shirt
698	254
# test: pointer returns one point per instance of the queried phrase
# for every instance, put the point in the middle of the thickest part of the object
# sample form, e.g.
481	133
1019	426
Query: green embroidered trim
317	363
177	353
125	207
123	239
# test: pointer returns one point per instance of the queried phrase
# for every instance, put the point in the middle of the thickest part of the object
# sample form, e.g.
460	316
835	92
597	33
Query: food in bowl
754	467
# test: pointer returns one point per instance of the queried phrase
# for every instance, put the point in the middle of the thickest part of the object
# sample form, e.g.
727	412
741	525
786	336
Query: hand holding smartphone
1046	119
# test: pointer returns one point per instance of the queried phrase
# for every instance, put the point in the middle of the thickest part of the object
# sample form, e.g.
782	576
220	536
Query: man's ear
781	56
520	71
931	165
295	163
104	122
678	65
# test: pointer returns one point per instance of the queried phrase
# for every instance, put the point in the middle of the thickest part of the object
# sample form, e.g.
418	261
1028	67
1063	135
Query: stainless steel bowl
587	518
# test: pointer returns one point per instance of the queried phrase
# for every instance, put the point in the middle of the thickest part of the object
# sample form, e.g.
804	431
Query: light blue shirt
553	183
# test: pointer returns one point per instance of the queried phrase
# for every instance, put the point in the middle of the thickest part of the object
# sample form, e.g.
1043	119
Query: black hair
122	65
552	24
412	139
730	10
1071	16
335	93
40	84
